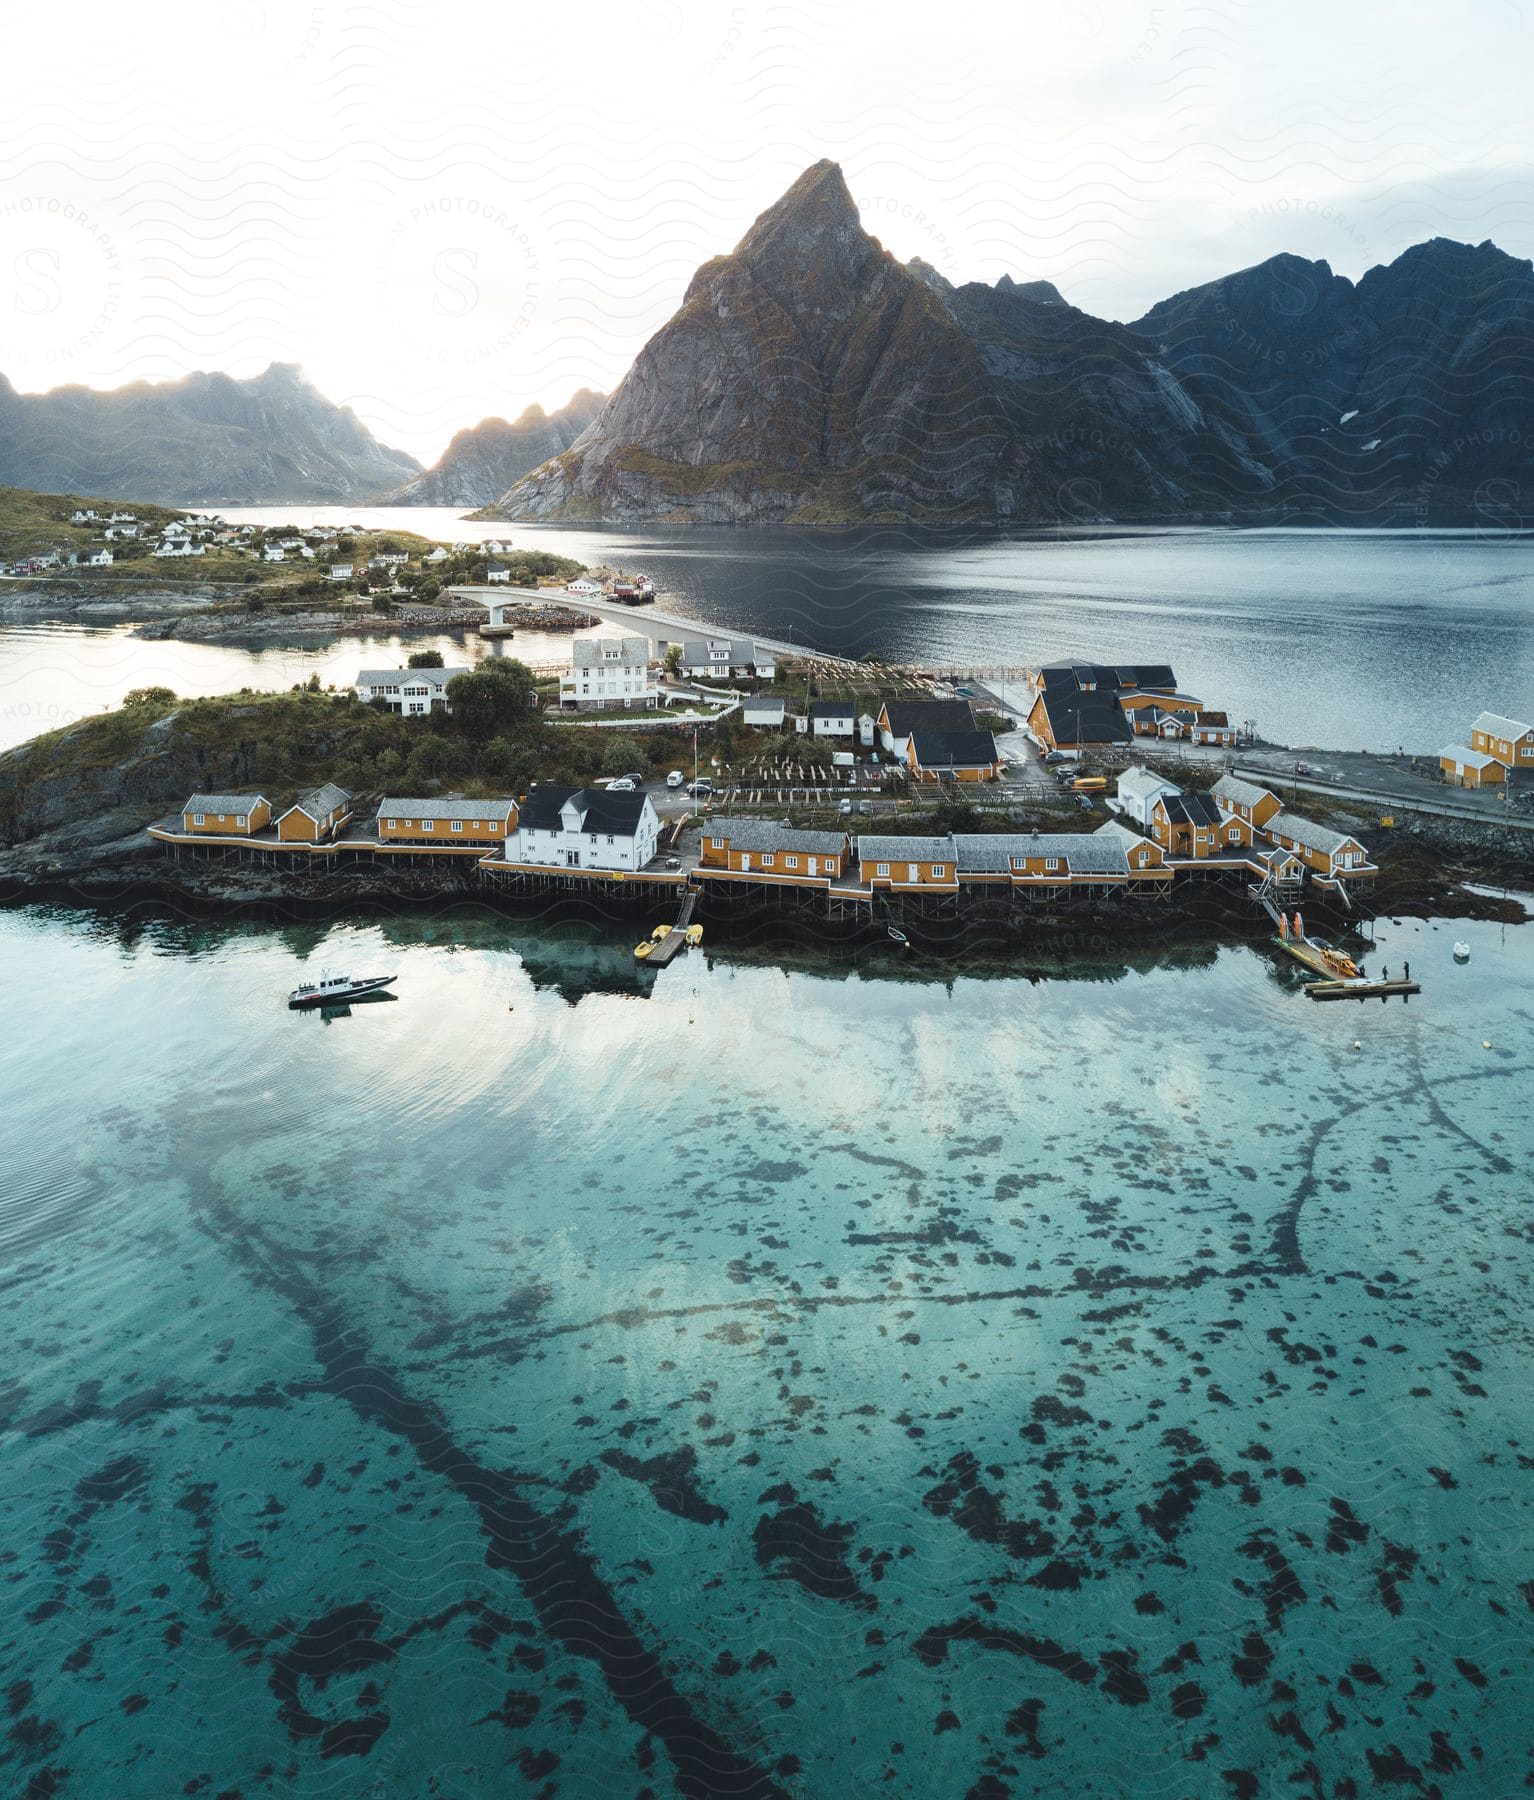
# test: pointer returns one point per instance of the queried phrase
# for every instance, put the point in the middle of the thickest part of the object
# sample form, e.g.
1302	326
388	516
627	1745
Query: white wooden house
586	828
609	672
409	691
1138	791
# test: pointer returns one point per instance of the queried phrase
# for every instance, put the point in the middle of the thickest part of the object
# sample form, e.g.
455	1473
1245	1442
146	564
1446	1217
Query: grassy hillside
156	749
30	522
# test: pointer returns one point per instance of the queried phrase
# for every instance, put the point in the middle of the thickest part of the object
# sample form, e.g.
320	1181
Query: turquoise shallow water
566	1381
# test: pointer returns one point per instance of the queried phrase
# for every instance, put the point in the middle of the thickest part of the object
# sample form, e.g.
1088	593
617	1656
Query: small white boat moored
1461	952
335	990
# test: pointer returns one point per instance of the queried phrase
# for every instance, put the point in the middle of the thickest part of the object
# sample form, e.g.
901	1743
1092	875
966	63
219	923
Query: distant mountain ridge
484	460
1408	394
808	376
203	440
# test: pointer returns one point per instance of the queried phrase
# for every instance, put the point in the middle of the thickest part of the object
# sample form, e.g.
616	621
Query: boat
1321	959
642	951
335	990
660	933
695	934
897	935
1461	952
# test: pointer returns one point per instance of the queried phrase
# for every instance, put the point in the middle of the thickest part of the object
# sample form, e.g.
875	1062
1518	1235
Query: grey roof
1130	839
738	650
1239	792
987	853
437	678
1499	725
1144	782
1309	833
770	704
767	835
832	709
393	807
589	653
906	849
326	798
1470	759
1085	852
223	803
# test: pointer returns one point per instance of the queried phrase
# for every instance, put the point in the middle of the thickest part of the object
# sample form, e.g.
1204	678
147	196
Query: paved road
1418	796
647	621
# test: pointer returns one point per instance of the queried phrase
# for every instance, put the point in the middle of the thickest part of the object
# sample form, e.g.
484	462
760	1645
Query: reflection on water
1100	1377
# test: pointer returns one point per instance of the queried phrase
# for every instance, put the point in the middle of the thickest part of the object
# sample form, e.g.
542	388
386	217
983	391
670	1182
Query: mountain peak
816	206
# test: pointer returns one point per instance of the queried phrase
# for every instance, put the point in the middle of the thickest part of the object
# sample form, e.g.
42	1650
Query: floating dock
1362	989
675	941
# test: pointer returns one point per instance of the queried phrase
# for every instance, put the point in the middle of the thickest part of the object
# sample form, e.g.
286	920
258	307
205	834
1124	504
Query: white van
675	778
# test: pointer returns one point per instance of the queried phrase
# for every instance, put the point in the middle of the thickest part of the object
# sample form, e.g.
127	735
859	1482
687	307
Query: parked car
622	784
845	808
1084	801
1055	756
675	779
635	778
700	789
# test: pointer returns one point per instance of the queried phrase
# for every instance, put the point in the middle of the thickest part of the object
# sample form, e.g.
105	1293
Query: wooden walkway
1361	990
676	940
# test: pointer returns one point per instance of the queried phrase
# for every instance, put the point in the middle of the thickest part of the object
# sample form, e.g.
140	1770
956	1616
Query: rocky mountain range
203	440
809	376
1406	397
483	461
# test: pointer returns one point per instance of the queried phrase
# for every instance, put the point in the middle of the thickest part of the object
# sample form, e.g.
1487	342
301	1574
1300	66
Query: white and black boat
335	990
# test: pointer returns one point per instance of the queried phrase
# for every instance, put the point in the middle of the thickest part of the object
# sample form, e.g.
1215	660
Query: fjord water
1344	640
1094	1376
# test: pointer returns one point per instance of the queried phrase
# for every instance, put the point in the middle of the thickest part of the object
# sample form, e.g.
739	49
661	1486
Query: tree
495	760
428	763
492	698
673	660
621	755
390	765
150	696
426	659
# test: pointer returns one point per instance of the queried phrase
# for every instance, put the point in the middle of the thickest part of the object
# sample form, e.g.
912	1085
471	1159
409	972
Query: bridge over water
502	603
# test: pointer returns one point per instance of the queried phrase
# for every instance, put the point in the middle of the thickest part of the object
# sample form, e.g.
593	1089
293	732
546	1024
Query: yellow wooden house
1326	853
316	816
908	862
446	824
953	756
1467	768
1144	855
1509	740
772	852
226	815
1192	825
1246	800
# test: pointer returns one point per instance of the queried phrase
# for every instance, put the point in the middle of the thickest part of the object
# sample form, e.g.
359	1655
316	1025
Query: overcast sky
444	211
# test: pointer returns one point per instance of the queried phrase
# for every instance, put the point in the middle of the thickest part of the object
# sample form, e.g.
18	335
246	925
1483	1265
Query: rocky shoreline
203	615
1431	869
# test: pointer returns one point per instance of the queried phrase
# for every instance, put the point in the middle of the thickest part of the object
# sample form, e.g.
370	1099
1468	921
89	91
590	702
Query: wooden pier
675	941
1363	989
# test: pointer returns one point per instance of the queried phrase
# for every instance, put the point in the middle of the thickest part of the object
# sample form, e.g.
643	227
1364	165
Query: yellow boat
660	931
695	934
643	950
